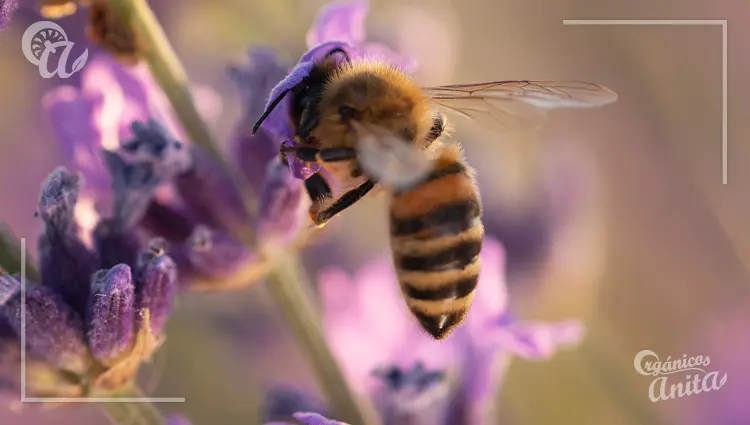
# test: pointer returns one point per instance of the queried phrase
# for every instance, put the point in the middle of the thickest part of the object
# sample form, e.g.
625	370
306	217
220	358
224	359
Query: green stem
127	413
291	291
10	254
286	280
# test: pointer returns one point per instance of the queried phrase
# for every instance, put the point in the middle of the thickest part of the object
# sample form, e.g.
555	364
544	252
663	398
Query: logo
44	38
683	377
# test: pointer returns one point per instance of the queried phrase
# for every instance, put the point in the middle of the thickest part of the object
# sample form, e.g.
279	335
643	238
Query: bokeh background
618	216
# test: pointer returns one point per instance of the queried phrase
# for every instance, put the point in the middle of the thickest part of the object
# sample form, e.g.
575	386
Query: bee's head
372	95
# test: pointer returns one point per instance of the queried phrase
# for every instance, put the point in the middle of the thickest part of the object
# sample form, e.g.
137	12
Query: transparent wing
395	162
517	104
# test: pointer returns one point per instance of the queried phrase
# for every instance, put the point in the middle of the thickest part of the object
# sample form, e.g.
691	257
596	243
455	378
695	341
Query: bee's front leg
312	154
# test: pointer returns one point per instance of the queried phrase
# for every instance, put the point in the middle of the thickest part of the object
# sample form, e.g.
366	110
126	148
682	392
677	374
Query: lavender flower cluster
154	204
95	315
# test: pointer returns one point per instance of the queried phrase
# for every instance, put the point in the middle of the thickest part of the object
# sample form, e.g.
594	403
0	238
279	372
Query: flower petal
379	51
539	340
491	297
80	137
339	21
315	419
278	121
256	79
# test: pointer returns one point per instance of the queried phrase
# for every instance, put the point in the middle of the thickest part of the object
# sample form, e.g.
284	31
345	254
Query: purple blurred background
617	216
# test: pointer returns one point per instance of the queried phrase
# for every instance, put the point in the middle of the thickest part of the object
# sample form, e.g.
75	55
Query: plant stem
291	291
10	254
126	413
285	278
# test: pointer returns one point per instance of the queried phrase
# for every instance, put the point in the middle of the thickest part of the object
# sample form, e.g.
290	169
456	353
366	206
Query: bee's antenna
269	109
339	50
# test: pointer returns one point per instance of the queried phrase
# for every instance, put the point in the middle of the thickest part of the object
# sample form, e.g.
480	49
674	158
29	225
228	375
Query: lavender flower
6	10
338	25
86	331
53	330
98	115
118	128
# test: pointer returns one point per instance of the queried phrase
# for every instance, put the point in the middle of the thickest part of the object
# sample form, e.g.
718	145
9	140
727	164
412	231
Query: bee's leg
320	193
312	154
345	201
438	126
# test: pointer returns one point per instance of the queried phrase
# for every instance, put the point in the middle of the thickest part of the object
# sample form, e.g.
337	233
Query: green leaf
11	254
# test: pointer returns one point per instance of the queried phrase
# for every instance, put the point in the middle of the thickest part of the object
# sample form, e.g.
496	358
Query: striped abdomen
436	238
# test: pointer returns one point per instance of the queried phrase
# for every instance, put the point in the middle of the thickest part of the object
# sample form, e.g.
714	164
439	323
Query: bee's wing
517	103
396	163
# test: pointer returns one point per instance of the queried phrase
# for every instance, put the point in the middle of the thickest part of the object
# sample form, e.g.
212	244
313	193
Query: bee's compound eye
347	112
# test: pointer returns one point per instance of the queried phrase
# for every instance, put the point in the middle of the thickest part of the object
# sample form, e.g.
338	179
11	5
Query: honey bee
371	126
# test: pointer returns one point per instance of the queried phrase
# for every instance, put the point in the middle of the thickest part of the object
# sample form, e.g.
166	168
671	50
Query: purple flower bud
58	200
115	244
111	315
153	142
209	193
6	9
156	284
215	255
282	206
134	183
66	264
143	163
53	330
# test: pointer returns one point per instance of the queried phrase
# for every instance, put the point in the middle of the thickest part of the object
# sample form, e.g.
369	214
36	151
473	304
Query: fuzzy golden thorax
373	94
